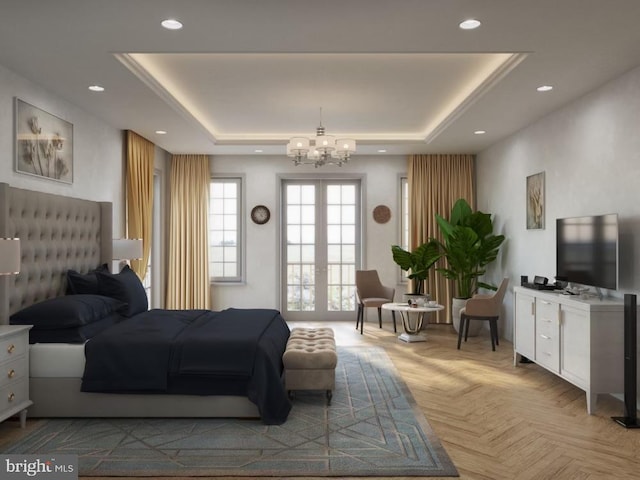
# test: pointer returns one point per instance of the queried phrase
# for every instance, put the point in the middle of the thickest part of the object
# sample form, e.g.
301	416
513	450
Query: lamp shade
127	248
325	143
346	145
9	256
297	146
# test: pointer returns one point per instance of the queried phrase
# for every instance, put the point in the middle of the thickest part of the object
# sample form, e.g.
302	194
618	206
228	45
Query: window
321	248
225	230
404	221
146	282
404	213
151	281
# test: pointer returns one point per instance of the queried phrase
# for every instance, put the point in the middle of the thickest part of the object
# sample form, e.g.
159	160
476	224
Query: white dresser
580	340
14	372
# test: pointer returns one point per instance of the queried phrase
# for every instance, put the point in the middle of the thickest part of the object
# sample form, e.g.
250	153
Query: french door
320	249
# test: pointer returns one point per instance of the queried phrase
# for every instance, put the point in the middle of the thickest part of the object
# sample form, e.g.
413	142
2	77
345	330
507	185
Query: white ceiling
248	74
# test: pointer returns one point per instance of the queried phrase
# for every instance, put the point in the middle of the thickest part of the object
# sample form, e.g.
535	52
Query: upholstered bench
310	361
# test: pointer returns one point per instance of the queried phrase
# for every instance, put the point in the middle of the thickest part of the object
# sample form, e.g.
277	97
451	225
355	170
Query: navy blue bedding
196	352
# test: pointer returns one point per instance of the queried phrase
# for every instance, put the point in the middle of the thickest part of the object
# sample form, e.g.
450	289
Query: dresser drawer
548	334
548	327
13	346
547	352
546	310
13	395
12	371
547	319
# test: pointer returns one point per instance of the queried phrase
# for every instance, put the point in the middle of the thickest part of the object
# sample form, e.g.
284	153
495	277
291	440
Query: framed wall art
44	143
535	201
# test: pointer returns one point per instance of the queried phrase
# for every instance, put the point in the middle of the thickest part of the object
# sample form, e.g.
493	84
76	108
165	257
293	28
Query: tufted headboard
56	234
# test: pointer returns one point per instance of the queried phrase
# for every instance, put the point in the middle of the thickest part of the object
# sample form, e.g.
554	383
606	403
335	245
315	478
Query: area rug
371	428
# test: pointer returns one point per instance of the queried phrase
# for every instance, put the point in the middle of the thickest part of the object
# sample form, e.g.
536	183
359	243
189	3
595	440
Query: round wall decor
381	214
260	214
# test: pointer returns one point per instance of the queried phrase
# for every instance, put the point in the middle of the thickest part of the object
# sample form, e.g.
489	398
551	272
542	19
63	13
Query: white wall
380	185
97	150
590	153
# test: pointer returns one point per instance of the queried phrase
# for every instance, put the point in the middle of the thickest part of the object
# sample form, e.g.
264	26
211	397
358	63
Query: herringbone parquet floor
497	421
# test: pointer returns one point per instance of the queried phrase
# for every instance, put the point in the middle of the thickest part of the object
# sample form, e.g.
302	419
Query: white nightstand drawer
14	394
13	346
14	371
11	372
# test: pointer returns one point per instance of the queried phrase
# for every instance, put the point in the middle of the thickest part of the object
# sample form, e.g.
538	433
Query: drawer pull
11	348
11	373
545	337
11	397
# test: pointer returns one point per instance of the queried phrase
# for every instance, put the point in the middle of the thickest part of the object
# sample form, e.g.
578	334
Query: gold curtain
188	273
140	160
435	183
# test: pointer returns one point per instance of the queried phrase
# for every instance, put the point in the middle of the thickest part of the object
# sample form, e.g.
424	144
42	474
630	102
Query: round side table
411	326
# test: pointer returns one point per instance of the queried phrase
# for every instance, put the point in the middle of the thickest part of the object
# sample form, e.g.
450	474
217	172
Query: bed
59	234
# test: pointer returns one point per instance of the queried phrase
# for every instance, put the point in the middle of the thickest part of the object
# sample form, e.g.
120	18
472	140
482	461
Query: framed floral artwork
535	201
44	143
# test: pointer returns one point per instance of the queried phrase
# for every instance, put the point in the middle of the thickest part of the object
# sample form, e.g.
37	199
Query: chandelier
320	150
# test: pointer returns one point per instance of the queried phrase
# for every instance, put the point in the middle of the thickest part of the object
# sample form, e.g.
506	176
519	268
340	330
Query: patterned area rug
371	428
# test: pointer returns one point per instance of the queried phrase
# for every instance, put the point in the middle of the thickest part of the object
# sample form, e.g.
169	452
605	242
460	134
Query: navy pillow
78	283
126	287
66	312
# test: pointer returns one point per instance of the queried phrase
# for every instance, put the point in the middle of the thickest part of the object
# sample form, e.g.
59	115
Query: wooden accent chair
371	293
483	307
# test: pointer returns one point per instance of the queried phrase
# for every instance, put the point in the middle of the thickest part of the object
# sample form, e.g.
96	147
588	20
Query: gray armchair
371	293
483	307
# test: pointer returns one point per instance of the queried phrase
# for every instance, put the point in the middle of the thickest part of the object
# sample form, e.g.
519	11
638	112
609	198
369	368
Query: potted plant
417	263
468	245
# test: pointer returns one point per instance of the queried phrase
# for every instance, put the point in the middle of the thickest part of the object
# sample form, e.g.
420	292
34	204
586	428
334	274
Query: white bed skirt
56	371
61	397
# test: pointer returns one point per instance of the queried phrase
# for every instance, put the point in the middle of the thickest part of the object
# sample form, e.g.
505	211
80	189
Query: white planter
406	297
457	304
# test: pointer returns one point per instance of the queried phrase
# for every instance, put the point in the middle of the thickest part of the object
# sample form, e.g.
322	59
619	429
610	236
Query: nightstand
14	372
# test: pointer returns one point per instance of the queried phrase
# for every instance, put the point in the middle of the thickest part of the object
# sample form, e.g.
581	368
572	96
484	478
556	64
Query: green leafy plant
417	263
468	245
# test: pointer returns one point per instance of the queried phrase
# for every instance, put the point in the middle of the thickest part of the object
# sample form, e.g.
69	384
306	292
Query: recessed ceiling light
544	88
96	88
382	150
161	132
171	24
470	24
257	150
480	132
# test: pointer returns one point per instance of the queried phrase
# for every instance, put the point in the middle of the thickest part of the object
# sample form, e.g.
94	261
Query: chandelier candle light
325	149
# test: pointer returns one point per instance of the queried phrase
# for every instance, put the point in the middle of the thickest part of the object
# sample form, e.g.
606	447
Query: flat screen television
587	250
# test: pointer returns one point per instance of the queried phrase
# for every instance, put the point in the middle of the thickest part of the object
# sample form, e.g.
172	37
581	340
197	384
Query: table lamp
125	249
9	265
